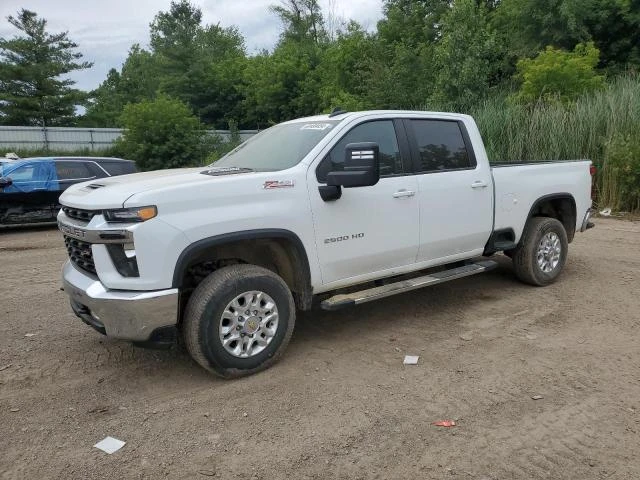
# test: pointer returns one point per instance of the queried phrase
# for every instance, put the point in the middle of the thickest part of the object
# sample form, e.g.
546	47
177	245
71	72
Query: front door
369	229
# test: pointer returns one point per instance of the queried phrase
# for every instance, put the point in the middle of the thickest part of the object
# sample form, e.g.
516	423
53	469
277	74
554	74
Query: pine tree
32	65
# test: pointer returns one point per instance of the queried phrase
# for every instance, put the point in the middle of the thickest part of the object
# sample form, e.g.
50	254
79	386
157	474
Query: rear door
369	229
454	190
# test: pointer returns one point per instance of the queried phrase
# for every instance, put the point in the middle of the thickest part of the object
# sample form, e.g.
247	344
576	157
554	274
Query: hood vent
217	171
95	186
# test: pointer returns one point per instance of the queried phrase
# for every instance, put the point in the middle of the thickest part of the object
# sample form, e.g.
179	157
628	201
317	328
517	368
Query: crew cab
30	187
343	208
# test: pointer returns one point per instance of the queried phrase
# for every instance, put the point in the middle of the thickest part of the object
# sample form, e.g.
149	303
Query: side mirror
5	182
361	166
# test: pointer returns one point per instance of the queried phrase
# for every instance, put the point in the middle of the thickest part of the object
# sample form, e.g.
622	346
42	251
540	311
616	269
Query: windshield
277	148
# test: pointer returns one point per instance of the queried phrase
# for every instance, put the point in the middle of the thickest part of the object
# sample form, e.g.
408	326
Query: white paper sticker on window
316	126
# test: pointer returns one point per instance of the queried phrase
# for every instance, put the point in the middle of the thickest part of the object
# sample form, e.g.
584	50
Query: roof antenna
337	111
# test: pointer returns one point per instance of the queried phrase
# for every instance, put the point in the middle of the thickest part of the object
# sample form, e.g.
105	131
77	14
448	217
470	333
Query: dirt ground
340	404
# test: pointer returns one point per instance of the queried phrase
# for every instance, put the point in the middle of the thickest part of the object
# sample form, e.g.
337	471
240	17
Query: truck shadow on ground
433	310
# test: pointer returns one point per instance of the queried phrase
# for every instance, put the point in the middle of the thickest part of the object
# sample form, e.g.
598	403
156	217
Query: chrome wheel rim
549	251
248	324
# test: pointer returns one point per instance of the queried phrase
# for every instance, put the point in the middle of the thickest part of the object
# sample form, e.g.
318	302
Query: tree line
425	54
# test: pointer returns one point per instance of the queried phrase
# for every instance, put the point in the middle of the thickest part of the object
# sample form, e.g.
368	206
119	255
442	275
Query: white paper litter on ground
110	445
410	360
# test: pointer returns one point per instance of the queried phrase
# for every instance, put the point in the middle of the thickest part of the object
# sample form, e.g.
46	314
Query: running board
356	298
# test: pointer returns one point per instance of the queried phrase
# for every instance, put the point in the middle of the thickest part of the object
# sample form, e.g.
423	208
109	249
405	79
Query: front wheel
239	320
542	252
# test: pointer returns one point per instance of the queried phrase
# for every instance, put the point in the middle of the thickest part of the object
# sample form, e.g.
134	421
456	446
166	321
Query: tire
531	269
222	292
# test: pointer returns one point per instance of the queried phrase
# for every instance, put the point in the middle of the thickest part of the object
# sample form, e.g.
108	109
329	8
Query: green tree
302	21
32	91
464	56
161	133
286	83
346	68
202	65
527	26
559	74
412	22
138	80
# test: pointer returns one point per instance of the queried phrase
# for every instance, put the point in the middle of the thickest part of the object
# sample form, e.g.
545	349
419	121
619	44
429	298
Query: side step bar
356	298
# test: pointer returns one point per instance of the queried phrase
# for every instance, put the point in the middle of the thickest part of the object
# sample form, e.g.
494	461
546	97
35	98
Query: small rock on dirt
207	473
537	397
467	336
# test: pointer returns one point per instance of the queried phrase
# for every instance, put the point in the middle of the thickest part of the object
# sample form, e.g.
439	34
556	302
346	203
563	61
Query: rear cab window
442	145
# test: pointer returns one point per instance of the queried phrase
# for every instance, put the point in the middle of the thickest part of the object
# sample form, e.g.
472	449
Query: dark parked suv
30	187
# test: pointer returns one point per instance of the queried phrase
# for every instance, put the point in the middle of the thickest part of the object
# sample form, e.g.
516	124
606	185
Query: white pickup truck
346	208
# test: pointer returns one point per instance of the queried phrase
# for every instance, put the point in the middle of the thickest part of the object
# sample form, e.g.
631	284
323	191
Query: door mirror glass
361	166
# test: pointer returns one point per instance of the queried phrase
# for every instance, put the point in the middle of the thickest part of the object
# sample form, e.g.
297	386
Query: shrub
162	133
558	74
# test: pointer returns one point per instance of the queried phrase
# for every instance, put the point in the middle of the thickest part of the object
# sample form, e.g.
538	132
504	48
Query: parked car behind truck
225	255
30	187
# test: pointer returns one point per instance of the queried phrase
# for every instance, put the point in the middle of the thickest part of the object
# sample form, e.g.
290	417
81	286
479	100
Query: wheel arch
561	206
286	254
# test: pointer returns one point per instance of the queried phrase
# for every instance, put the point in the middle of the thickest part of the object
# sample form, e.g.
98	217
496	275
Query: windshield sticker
316	126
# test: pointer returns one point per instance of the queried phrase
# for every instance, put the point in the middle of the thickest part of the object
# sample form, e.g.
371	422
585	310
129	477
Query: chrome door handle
479	184
404	193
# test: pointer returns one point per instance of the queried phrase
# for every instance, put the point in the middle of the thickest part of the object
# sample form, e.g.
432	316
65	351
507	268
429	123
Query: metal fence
73	139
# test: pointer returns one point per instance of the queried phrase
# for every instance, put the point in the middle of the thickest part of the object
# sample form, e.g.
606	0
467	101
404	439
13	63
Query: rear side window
441	146
118	168
73	171
381	132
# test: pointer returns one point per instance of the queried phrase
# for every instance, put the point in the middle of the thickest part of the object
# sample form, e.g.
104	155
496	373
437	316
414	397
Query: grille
78	214
80	254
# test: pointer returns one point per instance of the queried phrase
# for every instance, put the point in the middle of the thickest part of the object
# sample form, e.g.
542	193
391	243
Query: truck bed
518	185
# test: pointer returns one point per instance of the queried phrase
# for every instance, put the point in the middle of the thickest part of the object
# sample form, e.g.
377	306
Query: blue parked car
30	187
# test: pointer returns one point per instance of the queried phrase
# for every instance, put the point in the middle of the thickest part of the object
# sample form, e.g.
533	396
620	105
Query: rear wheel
542	252
239	320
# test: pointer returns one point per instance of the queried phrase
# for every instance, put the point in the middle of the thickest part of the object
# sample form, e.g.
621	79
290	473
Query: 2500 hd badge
354	236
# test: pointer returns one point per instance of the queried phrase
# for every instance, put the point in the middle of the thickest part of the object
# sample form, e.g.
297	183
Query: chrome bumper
124	314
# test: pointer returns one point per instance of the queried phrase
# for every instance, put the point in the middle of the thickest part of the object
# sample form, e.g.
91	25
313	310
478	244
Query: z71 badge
271	184
344	238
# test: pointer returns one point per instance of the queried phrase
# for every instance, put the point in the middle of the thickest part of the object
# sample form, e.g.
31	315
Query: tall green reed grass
581	130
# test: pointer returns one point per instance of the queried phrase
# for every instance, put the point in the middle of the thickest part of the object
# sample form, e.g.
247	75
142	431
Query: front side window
381	132
26	173
441	145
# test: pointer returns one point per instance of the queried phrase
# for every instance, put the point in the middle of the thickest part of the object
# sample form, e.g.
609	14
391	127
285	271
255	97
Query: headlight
136	214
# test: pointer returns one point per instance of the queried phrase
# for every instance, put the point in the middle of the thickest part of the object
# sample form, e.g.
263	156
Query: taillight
592	170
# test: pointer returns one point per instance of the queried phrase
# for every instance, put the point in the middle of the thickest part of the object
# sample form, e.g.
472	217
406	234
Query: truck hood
113	192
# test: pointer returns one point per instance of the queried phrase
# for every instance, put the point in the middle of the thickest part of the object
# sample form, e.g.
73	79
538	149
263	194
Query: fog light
124	259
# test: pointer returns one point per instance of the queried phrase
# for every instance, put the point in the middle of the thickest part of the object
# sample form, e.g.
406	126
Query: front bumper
124	314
